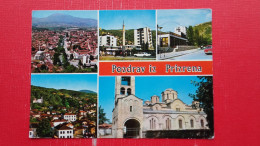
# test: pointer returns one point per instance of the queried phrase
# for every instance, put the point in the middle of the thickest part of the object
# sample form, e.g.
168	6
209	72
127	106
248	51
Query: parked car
142	54
208	49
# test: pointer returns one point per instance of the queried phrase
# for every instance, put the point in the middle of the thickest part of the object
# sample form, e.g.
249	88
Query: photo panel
64	41
156	107
127	35
63	106
184	34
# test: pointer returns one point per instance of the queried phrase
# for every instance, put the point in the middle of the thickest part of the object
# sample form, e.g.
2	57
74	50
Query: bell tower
128	111
125	85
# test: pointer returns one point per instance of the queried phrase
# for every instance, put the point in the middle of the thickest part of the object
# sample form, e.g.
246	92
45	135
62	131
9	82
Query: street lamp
160	28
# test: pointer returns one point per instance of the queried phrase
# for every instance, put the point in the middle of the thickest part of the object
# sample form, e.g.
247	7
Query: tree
190	35
71	56
70	68
44	129
204	94
102	116
134	51
43	67
80	63
91	57
56	58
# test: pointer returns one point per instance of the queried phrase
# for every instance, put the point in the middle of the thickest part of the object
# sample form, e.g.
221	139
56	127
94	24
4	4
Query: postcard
122	74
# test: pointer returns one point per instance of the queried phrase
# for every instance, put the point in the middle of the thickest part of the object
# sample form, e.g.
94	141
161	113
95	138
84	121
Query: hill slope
205	30
87	91
60	98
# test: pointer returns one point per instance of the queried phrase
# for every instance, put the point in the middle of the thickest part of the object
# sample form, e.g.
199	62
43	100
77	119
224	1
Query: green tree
196	37
70	69
71	56
154	38
204	94
102	116
80	63
56	58
190	35
91	57
44	129
43	67
134	51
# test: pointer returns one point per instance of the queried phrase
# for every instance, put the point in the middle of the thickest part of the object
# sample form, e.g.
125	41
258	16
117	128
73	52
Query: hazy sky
145	87
66	81
170	19
75	13
133	19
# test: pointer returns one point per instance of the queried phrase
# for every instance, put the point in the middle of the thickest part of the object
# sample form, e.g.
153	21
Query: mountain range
63	20
87	91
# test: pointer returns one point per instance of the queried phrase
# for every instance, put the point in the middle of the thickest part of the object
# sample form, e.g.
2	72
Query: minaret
123	34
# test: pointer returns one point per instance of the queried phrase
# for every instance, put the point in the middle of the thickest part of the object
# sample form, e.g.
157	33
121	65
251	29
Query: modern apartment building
143	36
107	40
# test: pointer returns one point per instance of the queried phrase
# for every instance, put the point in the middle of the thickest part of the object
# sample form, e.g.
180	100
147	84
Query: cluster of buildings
142	37
78	45
171	41
86	41
132	118
72	124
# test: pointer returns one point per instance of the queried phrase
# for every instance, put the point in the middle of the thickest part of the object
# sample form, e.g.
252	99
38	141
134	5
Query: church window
129	91
152	124
191	123
126	81
168	124
180	124
202	123
178	109
122	91
131	108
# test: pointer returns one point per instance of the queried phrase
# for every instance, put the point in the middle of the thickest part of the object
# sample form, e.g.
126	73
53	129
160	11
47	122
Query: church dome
169	89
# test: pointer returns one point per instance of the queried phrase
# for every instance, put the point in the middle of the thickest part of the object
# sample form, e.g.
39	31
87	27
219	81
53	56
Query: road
198	55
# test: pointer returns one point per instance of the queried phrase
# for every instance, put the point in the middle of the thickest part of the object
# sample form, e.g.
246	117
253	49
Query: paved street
199	55
196	54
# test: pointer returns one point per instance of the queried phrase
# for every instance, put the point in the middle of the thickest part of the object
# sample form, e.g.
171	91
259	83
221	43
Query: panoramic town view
64	42
184	34
127	35
63	106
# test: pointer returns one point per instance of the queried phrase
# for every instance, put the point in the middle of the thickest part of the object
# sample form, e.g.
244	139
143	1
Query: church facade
133	117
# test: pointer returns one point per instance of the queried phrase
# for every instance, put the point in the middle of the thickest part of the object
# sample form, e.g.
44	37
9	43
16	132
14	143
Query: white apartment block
143	36
107	40
70	117
180	29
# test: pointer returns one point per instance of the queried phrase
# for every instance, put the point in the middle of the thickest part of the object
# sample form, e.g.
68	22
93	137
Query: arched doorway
131	129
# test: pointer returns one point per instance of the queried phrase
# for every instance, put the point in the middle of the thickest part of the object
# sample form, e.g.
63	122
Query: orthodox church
132	117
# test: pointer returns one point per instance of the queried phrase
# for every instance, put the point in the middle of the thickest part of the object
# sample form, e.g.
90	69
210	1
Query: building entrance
132	129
